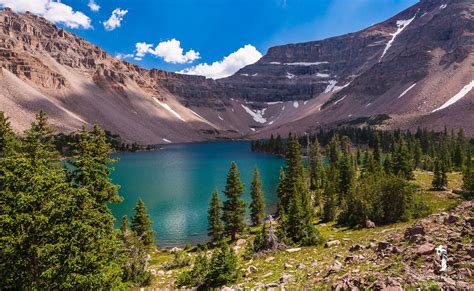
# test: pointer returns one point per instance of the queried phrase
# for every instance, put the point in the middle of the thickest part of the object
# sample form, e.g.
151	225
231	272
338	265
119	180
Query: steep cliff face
408	67
47	68
416	69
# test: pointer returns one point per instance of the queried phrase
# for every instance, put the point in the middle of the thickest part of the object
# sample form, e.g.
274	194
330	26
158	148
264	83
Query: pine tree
377	150
8	140
135	252
440	180
222	268
468	178
330	203
234	206
92	166
402	161
257	206
281	193
216	226
33	232
316	167
141	224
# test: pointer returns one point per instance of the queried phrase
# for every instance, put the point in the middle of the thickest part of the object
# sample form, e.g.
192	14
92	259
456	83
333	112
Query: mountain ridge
405	67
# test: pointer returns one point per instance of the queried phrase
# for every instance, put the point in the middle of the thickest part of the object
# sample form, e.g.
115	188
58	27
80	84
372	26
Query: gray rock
355	248
425	249
332	243
286	278
369	224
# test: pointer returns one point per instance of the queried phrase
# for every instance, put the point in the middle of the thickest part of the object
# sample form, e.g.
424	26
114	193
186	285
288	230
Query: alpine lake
176	183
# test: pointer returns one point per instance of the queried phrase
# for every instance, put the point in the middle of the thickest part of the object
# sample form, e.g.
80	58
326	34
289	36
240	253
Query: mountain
415	69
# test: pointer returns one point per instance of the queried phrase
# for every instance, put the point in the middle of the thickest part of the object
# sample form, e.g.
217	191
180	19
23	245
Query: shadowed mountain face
416	67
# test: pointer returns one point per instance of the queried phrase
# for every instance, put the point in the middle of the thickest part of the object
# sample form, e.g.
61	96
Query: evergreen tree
40	212
440	180
8	140
316	167
377	150
402	161
281	193
234	206
468	178
141	224
257	206
135	252
222	268
92	166
329	203
216	226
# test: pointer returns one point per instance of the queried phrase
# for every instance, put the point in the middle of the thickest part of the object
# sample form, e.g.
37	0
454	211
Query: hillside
415	69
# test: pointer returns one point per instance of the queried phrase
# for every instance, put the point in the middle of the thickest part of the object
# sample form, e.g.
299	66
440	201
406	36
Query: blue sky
213	29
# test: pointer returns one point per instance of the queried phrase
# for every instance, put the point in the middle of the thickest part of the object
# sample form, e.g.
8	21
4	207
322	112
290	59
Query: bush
181	259
219	270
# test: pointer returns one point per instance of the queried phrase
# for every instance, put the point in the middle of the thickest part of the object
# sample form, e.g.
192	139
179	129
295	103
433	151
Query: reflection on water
176	184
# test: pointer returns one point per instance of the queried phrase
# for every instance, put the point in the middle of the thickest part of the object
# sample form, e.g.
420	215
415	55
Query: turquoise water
177	181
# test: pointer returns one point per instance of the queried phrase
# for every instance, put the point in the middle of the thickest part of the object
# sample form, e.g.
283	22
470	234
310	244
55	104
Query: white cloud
170	51
53	11
93	6
229	65
115	19
123	56
142	48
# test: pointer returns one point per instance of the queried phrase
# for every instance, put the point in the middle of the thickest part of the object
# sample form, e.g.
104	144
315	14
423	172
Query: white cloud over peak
229	65
93	6
115	20
170	51
53	11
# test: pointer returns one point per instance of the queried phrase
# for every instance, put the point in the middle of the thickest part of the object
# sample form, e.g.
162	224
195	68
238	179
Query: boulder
286	278
332	243
250	270
383	245
336	267
287	266
369	224
355	248
414	230
301	266
269	259
451	219
293	250
425	249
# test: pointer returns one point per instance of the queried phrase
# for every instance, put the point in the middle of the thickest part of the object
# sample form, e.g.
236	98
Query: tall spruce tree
316	168
234	206
440	180
51	212
141	224
214	218
402	162
257	206
468	178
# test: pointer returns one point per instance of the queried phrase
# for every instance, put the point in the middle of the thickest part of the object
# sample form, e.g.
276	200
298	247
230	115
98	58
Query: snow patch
256	74
368	105
275	63
274	102
406	91
252	129
443	6
290	75
203	119
466	89
331	86
337	88
245	75
296	104
305	64
271	122
306	102
169	109
166	140
337	101
283	108
218	116
321	75
401	24
256	115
